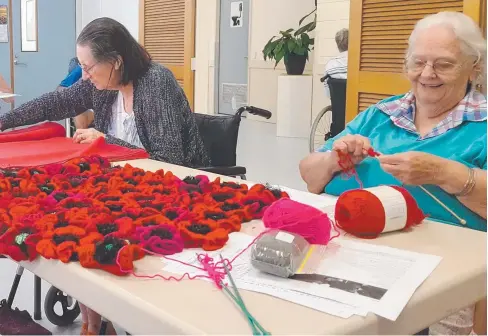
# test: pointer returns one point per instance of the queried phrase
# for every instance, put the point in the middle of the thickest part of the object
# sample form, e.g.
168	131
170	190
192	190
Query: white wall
267	18
124	11
332	15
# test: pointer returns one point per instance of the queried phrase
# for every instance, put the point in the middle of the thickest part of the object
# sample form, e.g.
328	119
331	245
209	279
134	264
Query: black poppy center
191	180
171	214
106	251
101	179
230	185
252	201
162	233
131	182
215	215
109	198
61	223
84	166
106	229
75	181
153	183
9	173
15	183
141	198
35	171
275	191
76	204
202	229
46	188
115	207
222	197
230	206
157	206
127	190
60	196
58	239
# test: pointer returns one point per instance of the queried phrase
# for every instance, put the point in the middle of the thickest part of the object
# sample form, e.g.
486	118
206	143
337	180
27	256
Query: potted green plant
292	47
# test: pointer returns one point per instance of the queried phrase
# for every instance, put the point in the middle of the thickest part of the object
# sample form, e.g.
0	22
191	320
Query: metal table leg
37	298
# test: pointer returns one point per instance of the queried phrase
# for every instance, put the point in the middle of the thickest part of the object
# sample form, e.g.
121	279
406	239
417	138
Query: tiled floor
268	159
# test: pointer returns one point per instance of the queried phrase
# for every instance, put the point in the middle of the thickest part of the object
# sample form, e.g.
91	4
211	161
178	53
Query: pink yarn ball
310	223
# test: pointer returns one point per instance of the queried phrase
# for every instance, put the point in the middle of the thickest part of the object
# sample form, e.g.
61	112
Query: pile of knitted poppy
107	217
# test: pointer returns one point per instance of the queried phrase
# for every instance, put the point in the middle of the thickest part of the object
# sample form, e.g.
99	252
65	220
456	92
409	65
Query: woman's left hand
87	135
413	168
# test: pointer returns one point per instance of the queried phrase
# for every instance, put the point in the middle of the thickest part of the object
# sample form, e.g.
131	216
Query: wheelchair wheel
69	308
320	131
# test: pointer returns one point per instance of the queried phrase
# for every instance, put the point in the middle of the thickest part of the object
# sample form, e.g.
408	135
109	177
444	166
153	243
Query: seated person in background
84	120
337	66
137	104
435	135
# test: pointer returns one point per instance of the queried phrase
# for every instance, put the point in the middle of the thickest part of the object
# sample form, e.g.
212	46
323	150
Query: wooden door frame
383	82
189	46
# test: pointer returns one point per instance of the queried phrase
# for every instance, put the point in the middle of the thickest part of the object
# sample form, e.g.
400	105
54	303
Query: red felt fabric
56	150
42	131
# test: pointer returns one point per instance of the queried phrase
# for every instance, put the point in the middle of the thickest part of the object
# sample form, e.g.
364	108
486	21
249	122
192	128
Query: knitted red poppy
203	233
107	253
228	221
16	244
51	222
155	220
61	243
162	239
106	225
224	186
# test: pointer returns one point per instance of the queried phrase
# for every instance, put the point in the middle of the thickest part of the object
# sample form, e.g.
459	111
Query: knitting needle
461	220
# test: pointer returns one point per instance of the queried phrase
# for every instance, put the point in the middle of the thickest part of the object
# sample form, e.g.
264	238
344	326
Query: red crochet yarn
361	213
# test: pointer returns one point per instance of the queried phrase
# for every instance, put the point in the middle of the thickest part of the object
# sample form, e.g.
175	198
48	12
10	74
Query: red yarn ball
361	213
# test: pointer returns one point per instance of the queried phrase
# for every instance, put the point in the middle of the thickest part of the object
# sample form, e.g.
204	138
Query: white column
294	106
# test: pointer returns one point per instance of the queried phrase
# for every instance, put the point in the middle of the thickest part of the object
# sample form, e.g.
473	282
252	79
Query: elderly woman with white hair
433	136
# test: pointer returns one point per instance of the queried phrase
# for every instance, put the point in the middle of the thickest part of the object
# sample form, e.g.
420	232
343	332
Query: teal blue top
465	143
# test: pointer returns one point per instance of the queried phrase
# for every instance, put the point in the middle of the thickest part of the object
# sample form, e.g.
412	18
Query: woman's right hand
356	146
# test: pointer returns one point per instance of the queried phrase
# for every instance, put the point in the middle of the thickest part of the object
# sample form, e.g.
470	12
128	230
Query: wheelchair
331	120
219	134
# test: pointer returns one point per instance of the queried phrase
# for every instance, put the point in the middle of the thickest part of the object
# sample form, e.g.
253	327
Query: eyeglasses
439	67
89	69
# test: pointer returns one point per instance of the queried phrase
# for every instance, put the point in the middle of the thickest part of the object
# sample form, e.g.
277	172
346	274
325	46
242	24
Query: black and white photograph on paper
236	14
342	284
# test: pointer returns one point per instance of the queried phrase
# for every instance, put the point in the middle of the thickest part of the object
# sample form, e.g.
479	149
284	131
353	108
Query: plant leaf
300	51
291	45
306	16
279	57
304	29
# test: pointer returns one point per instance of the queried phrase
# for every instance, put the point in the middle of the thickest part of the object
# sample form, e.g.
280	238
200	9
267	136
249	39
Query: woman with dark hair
137	103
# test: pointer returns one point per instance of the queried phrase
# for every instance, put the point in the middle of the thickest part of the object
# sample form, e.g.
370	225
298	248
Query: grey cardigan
164	121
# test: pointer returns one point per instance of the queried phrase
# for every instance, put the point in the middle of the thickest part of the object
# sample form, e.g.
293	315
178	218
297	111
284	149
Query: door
44	40
167	31
232	70
378	34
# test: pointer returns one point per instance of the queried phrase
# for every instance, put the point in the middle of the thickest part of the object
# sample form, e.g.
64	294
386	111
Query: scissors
257	329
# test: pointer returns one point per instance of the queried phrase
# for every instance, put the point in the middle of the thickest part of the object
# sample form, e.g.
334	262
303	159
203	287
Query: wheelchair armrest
226	171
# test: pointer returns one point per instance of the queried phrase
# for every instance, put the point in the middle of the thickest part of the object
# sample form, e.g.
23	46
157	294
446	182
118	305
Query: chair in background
220	134
332	119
